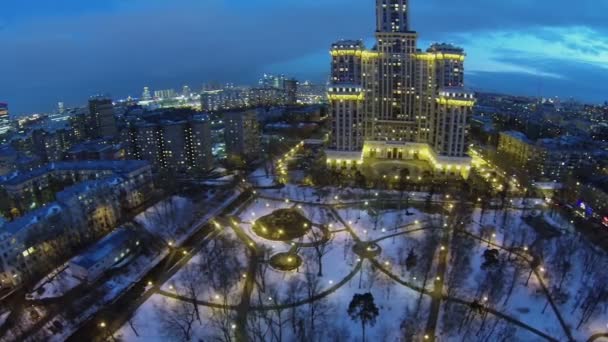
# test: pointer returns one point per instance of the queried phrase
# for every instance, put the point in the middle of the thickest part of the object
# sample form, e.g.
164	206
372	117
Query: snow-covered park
447	272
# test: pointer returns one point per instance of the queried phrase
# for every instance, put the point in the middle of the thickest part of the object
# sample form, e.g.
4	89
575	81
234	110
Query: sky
68	50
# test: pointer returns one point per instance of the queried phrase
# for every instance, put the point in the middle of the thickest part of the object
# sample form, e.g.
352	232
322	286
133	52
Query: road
437	294
116	315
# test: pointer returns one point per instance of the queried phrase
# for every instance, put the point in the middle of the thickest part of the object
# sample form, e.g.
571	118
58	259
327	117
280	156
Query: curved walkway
597	336
247	239
320	295
538	276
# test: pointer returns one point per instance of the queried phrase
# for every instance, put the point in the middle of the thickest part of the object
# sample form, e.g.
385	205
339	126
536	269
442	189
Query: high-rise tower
397	102
102	112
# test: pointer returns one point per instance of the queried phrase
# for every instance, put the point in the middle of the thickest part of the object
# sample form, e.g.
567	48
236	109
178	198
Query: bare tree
190	279
426	253
318	308
322	245
169	219
460	259
565	250
177	319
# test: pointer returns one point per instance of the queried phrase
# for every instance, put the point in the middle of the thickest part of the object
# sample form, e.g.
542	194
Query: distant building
549	159
227	98
51	143
60	107
211	100
107	252
8	158
165	94
5	122
517	146
291	89
102	111
183	145
272	81
95	150
146	95
242	135
186	91
266	97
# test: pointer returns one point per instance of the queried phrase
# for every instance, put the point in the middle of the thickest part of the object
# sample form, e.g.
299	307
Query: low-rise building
549	159
87	209
23	242
27	189
105	254
96	150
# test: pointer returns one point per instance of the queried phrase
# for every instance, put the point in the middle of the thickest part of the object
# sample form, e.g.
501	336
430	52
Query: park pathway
437	293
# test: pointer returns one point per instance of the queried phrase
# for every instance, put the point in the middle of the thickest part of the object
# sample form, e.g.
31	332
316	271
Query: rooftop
115	166
518	135
31	218
85	187
563	142
104	247
92	146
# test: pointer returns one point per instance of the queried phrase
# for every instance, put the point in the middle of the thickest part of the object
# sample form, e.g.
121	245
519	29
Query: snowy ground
55	285
217	281
167	219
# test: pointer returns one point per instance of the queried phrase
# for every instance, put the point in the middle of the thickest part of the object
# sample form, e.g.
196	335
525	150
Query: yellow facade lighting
365	54
346	97
429	56
454	102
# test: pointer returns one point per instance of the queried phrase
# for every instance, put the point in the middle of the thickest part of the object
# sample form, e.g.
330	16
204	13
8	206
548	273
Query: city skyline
524	51
319	170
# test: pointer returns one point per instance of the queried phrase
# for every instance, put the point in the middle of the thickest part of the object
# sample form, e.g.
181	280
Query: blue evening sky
67	50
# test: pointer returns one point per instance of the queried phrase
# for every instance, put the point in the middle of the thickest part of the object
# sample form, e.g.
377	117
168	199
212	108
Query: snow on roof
517	135
115	240
115	166
31	218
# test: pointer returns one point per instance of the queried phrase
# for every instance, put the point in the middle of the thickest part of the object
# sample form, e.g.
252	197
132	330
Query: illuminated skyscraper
397	102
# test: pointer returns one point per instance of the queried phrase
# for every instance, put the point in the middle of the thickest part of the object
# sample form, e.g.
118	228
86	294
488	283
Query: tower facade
396	102
102	111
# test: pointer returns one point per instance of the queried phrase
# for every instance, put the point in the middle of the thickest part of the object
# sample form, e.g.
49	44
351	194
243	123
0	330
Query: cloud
69	49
